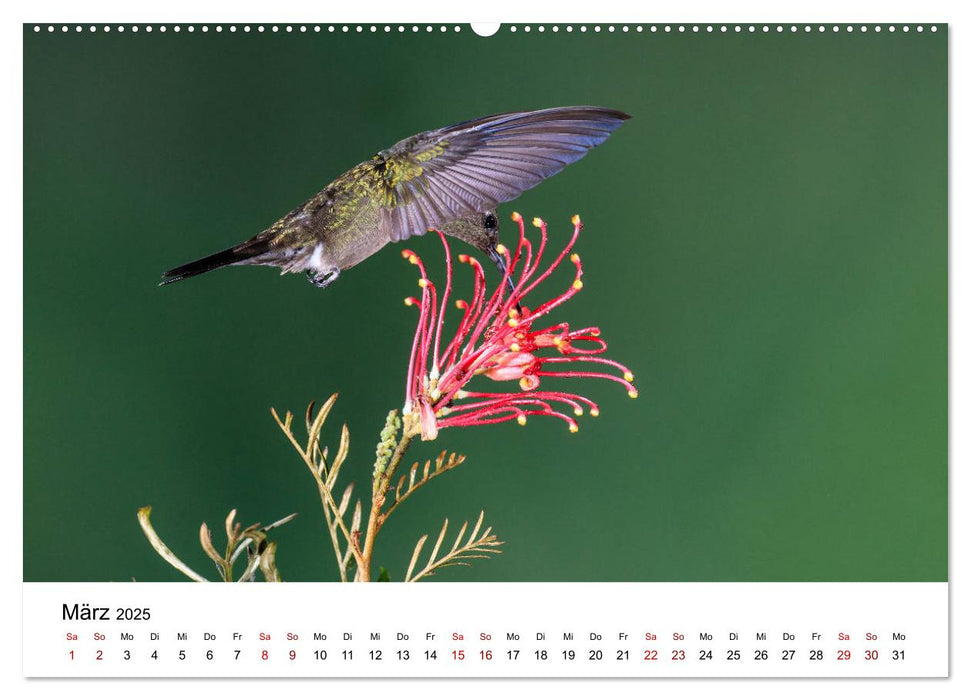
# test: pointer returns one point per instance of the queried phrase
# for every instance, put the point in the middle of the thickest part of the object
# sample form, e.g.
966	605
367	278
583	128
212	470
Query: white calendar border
521	11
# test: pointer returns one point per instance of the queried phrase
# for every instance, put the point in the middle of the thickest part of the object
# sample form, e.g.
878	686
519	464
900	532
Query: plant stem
378	491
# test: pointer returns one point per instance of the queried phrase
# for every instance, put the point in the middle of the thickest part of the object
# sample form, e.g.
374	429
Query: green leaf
384	576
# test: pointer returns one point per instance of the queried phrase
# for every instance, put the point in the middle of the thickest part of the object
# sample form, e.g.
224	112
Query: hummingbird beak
501	265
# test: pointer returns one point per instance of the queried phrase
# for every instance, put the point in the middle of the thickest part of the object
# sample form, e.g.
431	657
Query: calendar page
520	350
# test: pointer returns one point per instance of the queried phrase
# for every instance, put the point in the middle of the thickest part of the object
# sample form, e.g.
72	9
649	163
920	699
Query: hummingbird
450	179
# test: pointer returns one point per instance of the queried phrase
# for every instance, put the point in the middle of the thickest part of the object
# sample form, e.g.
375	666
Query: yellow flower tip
513	313
537	222
514	347
409	301
501	249
413	259
436	394
575	220
521	420
516	216
578	411
423	282
461	394
595	332
578	285
628	376
574	427
575	258
461	304
632	393
594	412
463	258
512	323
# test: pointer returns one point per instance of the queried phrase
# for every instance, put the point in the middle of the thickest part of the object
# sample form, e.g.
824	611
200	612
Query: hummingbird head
478	230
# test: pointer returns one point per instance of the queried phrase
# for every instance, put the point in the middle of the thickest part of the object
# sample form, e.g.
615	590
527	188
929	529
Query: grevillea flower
497	337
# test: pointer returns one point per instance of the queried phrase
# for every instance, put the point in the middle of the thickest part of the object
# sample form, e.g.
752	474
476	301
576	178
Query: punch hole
485	28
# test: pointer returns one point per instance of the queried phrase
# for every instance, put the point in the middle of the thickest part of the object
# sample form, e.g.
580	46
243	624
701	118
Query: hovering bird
451	179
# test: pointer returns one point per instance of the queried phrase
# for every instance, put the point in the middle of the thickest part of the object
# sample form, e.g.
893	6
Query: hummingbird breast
353	235
336	229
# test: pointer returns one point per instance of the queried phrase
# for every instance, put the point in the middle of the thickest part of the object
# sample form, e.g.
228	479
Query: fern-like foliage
476	546
445	462
325	473
253	540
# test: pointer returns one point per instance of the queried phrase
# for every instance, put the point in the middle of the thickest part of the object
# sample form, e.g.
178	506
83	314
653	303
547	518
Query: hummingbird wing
438	176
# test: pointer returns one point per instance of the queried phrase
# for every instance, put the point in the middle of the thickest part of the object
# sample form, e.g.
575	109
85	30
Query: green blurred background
765	245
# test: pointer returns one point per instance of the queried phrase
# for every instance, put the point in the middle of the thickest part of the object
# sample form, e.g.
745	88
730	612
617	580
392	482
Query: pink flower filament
495	337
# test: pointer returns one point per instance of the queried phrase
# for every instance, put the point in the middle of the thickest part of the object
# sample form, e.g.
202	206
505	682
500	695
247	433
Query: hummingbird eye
490	221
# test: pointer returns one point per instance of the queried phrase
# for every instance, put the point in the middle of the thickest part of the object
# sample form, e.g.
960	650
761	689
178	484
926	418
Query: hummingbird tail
230	256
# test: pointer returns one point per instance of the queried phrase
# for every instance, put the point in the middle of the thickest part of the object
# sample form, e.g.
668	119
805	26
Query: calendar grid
510	630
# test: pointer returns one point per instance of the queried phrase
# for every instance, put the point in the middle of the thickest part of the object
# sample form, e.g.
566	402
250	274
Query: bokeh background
765	245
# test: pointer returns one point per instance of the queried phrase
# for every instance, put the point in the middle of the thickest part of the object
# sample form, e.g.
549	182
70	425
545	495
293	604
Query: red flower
496	338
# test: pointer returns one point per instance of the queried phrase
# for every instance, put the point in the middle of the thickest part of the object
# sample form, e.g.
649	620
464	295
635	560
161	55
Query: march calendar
622	630
546	349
